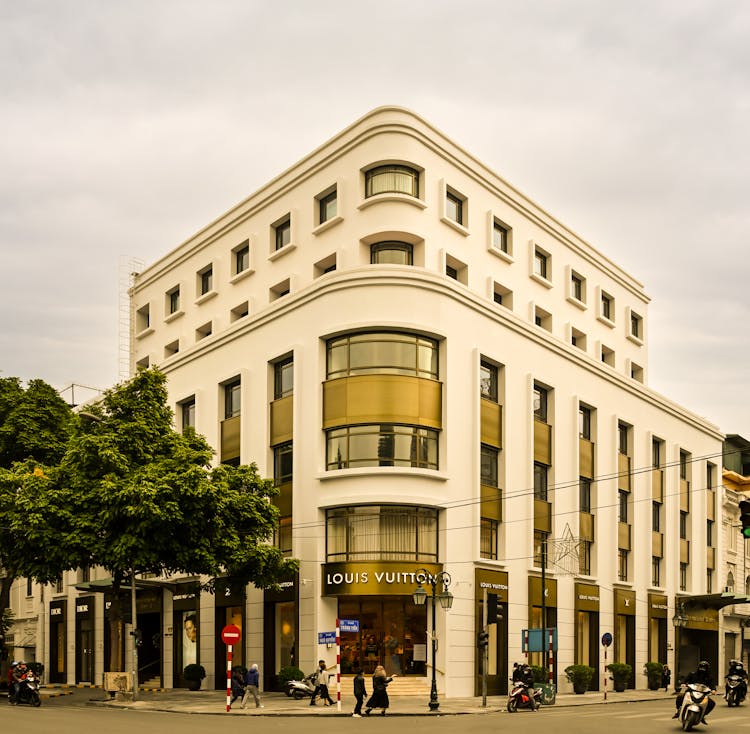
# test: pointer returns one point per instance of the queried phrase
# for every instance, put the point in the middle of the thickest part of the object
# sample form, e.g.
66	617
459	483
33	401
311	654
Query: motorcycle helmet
703	665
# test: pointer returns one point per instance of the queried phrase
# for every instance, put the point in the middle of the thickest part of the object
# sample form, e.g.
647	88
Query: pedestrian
252	687
666	677
359	692
238	684
321	687
379	698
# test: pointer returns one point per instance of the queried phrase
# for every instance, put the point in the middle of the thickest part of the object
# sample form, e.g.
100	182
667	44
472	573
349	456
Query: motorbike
523	696
304	688
29	691
733	691
694	705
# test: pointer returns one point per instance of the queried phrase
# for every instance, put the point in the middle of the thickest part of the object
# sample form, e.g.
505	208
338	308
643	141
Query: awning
712	601
104	586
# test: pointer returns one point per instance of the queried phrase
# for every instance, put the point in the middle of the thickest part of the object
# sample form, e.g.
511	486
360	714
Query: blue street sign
349	625
327	638
606	639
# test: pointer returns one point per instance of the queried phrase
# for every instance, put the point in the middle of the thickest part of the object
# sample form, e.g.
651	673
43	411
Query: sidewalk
277	704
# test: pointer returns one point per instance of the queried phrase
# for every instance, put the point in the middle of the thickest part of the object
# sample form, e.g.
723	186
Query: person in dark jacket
359	692
238	685
379	698
701	675
666	677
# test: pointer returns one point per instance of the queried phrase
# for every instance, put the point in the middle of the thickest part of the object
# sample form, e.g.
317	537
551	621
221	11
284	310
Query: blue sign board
534	640
327	638
349	625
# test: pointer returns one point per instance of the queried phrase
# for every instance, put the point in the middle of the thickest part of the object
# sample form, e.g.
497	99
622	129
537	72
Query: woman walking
379	698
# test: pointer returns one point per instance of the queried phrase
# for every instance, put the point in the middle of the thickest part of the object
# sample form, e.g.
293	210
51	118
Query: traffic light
491	608
745	518
483	639
138	637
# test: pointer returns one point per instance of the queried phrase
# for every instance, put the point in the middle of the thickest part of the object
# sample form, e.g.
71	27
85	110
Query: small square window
578	339
451	272
500	237
327	206
239	312
454	207
456	269
326	265
143	363
242	257
280	290
542	318
143	318
636	372
608	356
203	331
283	233
173	300
502	296
171	349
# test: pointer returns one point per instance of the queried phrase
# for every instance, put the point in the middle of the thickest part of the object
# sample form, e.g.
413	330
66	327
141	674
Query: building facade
439	376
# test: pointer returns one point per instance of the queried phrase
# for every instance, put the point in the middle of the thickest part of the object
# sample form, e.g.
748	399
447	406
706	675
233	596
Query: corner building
439	376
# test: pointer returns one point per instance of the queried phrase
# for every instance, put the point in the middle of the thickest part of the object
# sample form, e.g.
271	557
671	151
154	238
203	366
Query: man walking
252	687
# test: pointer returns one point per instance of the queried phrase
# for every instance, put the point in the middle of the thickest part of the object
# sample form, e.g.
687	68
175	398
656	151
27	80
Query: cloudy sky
127	126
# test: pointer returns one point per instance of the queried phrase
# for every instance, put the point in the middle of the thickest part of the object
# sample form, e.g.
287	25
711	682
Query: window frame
492	380
408	173
282	233
391	246
280	373
232	392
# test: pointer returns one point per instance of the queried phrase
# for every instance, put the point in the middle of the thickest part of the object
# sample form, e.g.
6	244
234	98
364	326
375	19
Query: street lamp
446	602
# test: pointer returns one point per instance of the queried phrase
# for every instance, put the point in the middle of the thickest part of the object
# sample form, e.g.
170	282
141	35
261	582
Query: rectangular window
710	469
29	588
584	422
242	257
488	381
622	565
683	577
683	525
143	318
656	517
500	236
709	533
540	548
59	587
541	262
608	310
392	180
283	233
655	571
541	473
636	325
173	300
187	409
282	464
283	378
232	399
576	287
206	280
451	272
488	465
540	403
488	538
584	558
327	207
622	505
584	494
683	464
454	207
656	453
709	581
622	438
283	536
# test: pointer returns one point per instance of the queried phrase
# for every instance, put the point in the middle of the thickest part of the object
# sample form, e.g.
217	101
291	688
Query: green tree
35	424
138	497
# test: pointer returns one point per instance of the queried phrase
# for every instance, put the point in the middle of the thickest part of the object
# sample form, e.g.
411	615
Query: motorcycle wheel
288	692
297	695
512	706
36	702
689	721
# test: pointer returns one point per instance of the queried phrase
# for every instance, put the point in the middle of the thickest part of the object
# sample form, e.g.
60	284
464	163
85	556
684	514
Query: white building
440	376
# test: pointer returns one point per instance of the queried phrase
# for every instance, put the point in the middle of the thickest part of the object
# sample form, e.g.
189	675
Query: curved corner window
392	180
385	353
381	444
382	533
392	253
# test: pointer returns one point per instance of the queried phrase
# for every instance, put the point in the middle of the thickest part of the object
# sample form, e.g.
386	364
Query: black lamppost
446	601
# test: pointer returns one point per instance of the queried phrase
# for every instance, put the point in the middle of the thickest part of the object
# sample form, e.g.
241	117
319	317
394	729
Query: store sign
341	579
327	638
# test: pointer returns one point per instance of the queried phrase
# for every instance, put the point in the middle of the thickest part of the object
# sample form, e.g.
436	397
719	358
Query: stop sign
231	634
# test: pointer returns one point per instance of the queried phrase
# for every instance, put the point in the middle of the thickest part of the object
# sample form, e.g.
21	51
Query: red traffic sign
231	634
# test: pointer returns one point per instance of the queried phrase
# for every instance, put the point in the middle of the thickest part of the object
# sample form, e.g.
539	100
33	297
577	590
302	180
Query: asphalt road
73	715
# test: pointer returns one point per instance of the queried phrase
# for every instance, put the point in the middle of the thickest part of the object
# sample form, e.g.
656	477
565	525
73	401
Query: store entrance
392	633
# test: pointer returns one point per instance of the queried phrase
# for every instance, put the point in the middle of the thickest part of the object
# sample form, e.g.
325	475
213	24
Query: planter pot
193	685
619	686
580	687
654	685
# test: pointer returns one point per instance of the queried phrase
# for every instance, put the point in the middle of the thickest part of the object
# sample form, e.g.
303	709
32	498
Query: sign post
606	642
230	635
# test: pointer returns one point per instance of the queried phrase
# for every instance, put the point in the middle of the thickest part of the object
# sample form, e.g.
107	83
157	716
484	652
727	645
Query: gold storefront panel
587	597
657	485
495	582
283	500
373	578
543	442
585	458
623	472
684	495
625	602
657	606
543	516
657	544
702	619
684	551
282	420
491	503
382	399
623	536
491	420
586	525
711	558
535	592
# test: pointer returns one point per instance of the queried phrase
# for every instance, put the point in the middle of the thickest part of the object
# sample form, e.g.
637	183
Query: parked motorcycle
694	705
733	690
522	696
29	691
304	688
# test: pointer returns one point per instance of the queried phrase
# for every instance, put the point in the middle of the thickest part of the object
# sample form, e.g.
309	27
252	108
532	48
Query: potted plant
653	672
287	673
580	676
620	675
193	675
540	673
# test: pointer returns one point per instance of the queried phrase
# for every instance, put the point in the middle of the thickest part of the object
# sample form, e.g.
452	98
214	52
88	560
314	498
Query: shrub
541	674
289	672
194	672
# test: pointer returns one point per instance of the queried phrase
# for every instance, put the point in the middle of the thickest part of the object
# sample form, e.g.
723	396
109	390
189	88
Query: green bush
289	672
620	672
541	674
580	675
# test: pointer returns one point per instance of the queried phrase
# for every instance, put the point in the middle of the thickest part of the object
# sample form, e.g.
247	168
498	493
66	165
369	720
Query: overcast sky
127	126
